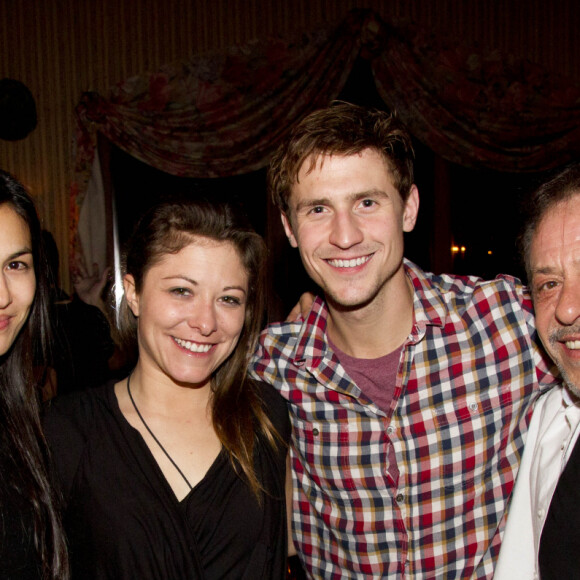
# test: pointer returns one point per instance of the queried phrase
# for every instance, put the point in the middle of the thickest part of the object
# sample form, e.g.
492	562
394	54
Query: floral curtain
224	113
478	110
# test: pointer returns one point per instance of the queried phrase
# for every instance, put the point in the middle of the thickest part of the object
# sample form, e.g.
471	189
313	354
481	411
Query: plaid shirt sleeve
457	424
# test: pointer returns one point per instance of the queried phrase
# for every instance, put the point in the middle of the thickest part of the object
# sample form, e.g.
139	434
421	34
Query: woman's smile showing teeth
193	346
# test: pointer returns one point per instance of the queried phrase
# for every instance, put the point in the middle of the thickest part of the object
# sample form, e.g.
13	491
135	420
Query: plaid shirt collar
429	309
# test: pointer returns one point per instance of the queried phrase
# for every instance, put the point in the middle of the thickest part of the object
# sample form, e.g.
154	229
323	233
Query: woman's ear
131	294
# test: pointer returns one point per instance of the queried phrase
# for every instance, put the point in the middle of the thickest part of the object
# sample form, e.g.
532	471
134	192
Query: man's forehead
317	159
561	217
558	231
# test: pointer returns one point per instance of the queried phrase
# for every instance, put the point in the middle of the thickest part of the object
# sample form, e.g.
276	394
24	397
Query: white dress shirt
553	432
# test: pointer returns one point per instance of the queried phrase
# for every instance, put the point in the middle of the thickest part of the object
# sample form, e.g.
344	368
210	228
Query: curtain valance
223	113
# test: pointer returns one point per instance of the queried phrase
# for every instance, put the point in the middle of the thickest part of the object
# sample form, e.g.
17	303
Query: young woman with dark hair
178	471
31	541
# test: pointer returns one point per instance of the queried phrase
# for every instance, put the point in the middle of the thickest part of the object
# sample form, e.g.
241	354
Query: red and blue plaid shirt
457	424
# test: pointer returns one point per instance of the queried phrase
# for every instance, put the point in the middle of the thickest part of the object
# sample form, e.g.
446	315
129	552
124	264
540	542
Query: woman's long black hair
23	451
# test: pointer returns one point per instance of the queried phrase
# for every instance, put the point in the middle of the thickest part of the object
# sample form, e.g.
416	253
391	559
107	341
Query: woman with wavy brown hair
178	470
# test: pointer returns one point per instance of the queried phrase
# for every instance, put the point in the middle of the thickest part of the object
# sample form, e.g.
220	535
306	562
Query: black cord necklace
151	433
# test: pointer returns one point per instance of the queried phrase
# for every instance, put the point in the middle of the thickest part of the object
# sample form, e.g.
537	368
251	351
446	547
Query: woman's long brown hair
236	406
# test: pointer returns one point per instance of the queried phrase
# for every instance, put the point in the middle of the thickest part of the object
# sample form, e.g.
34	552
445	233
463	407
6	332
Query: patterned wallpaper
60	48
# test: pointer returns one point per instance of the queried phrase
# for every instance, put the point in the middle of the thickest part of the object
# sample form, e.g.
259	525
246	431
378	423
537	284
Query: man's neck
377	328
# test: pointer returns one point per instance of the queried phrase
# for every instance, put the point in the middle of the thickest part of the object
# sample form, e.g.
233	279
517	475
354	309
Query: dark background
483	208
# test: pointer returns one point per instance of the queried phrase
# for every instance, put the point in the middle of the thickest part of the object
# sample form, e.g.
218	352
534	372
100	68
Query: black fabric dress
123	520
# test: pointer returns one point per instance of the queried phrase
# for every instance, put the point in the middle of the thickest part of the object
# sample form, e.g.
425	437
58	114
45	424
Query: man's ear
411	209
131	294
288	229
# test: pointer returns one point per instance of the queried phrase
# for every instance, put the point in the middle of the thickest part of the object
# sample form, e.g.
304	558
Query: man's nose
568	307
346	231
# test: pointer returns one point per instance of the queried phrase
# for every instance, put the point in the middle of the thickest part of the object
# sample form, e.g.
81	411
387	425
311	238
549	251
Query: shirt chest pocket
469	435
329	452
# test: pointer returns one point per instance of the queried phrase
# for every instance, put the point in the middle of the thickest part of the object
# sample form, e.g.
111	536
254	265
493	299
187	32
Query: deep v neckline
150	458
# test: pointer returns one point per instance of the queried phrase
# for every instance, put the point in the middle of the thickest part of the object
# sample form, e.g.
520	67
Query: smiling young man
407	391
347	219
542	538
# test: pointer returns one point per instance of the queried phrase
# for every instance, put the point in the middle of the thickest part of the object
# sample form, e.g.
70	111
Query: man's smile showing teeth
193	346
573	344
349	263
